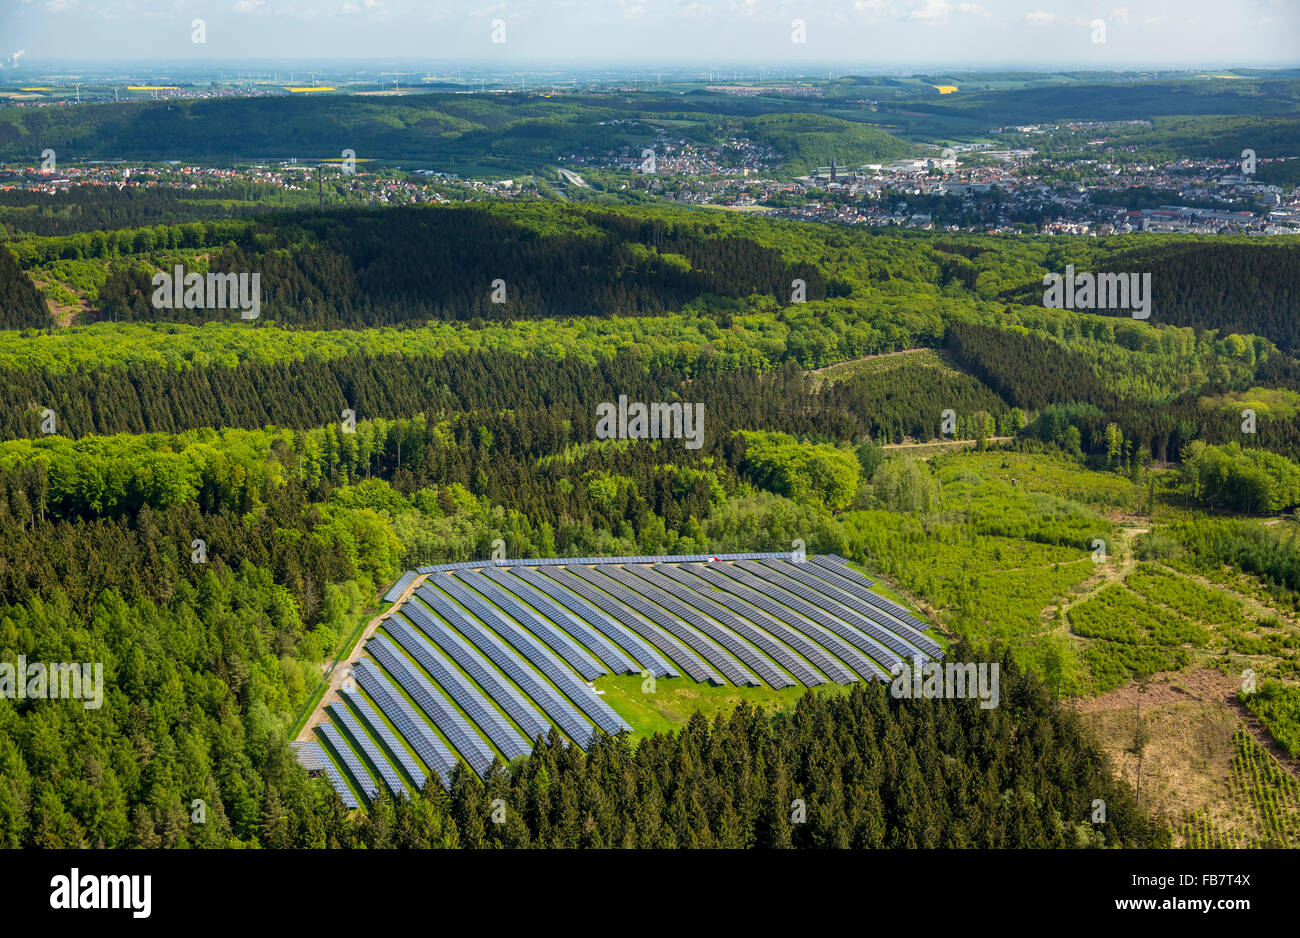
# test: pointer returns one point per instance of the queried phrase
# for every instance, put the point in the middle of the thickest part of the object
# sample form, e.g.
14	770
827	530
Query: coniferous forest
867	772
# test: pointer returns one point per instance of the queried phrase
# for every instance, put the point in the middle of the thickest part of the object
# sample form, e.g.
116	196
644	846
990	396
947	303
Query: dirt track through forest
342	669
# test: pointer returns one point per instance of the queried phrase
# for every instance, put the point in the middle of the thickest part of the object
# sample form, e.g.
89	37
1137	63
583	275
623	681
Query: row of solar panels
442	692
405	580
779	612
494	656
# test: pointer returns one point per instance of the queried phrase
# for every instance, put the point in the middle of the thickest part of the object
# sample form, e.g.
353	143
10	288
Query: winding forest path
1107	575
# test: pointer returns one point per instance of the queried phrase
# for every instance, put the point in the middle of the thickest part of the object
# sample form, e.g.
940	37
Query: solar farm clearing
482	659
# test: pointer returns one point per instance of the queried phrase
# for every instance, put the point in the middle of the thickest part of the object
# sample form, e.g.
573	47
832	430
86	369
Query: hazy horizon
882	35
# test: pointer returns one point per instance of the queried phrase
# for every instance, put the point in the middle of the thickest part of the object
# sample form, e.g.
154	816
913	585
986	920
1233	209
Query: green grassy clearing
675	699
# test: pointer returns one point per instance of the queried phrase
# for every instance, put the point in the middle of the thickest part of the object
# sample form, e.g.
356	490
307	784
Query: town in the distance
860	155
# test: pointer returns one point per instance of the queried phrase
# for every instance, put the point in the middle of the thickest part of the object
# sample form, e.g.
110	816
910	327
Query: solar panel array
560	643
409	723
314	759
405	580
612	629
444	716
790	578
853	601
745	652
784	593
565	621
621	607
494	686
841	571
861	665
460	690
577	691
774	649
707	649
379	729
370	749
880	602
308	754
835	560
574	725
485	657
361	776
794	640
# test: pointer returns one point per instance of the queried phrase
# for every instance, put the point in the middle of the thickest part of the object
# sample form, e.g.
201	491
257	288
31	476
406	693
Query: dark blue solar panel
519	612
394	594
574	725
444	716
460	690
496	687
365	782
608	578
835	562
772	613
410	724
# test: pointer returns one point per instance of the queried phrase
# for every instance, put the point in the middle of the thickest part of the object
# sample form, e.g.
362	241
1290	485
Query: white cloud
939	11
933	10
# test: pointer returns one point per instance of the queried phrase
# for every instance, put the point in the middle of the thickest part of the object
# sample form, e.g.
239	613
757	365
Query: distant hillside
354	267
467	134
1121	101
307	127
1249	289
810	140
470	134
1217	136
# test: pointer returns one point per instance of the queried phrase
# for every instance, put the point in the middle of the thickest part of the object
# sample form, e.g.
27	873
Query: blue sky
883	33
